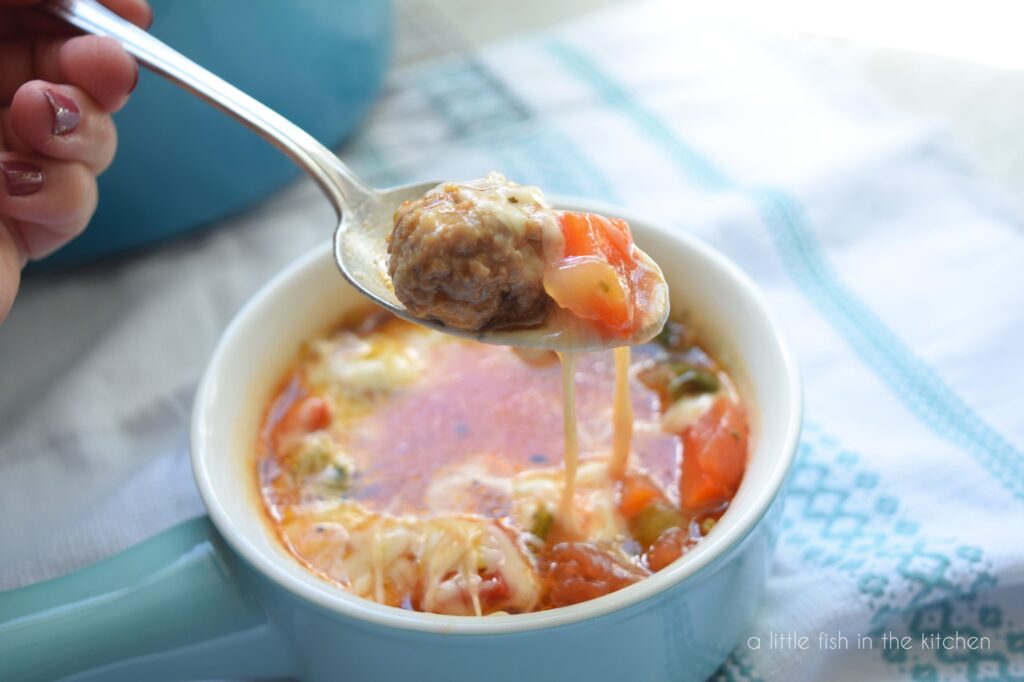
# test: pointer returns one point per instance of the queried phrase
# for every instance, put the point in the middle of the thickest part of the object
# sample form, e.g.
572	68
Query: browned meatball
472	254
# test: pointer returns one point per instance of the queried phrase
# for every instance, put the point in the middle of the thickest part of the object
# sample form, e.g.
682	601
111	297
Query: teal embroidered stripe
910	378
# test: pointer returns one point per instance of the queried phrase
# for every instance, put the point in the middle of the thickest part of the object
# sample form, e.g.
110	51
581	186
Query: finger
31	22
18	17
23	59
136	11
61	122
45	202
100	67
11	263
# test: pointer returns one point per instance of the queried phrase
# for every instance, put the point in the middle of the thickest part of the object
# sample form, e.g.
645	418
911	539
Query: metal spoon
364	214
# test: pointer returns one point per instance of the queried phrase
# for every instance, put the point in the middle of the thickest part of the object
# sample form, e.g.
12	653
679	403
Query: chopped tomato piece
579	571
636	494
494	591
669	546
714	456
304	416
594	278
589	234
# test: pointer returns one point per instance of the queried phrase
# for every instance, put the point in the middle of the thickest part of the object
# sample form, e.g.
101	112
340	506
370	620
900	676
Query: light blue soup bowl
220	597
181	164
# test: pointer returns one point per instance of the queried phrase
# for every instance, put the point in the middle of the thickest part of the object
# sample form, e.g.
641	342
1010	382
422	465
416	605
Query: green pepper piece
310	461
689	380
669	336
543	520
707	524
339	479
653	520
675	336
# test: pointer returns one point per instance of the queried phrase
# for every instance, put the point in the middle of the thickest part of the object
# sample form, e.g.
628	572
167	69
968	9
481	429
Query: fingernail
66	113
22	178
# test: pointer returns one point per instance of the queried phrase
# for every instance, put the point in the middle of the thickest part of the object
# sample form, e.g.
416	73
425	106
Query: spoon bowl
360	251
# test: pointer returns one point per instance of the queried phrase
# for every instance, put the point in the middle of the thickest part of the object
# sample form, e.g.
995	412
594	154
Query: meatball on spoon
486	260
492	258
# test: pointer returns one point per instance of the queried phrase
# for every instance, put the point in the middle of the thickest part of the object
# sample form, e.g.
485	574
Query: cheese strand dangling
571	447
622	419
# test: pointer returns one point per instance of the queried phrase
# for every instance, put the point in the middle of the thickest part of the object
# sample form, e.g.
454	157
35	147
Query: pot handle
173	607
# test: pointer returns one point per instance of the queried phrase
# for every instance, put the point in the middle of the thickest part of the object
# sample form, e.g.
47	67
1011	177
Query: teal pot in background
181	164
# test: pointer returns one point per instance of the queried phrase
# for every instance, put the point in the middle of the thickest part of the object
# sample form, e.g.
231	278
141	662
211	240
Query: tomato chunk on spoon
594	278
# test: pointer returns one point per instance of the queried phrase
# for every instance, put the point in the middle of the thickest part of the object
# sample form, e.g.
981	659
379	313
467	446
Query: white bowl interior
311	296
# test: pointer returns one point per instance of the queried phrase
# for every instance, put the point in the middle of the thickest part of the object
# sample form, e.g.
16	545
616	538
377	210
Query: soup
427	472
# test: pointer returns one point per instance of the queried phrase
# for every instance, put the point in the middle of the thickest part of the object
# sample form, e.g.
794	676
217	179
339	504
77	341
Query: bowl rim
336	600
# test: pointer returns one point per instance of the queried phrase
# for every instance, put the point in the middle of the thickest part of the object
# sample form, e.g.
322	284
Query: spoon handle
339	183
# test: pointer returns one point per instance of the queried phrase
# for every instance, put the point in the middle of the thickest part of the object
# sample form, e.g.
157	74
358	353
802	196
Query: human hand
57	92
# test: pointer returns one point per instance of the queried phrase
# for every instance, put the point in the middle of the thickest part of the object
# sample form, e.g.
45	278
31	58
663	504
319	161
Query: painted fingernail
66	113
22	178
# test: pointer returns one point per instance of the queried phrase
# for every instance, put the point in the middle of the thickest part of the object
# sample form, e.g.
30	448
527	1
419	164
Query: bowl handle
170	608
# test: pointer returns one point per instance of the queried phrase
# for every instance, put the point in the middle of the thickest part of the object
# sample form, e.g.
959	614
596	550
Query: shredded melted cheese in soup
423	471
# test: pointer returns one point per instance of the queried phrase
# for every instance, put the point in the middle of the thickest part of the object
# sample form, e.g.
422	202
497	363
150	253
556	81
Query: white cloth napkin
895	270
